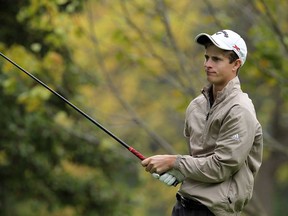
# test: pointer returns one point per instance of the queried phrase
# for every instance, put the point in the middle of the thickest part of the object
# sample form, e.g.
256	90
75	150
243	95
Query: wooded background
132	65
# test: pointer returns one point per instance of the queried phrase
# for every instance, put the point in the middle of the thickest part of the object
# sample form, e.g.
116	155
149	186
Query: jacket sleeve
235	140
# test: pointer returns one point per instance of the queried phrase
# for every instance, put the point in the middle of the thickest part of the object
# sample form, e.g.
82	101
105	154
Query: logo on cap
236	47
224	32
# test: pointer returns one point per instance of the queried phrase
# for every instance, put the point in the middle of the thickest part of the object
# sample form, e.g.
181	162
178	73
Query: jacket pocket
241	188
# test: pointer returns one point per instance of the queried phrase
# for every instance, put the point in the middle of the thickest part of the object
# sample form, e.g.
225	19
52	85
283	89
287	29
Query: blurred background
132	65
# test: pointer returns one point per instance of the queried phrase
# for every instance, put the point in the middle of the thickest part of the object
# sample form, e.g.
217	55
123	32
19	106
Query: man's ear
237	65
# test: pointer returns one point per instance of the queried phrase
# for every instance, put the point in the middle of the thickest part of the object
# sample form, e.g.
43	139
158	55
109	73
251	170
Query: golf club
131	149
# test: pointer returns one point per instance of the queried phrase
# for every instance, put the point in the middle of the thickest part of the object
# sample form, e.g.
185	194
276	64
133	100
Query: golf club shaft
132	150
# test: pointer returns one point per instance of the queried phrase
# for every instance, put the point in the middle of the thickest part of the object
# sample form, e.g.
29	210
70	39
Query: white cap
226	40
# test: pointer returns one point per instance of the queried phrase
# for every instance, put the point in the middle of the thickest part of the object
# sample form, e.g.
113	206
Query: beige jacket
225	143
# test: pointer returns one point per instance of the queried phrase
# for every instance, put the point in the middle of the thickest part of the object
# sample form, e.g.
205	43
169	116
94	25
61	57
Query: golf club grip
136	153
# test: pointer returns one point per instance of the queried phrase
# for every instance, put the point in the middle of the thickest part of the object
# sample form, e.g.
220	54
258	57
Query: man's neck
215	90
219	88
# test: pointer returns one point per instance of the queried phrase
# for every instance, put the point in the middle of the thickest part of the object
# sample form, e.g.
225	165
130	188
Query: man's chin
211	79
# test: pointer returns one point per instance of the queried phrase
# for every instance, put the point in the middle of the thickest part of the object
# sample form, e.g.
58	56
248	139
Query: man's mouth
210	73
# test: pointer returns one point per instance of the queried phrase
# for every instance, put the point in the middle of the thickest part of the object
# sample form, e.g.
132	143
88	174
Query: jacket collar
231	86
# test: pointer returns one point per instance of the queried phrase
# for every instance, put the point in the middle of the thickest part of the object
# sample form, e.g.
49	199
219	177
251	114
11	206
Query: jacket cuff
177	162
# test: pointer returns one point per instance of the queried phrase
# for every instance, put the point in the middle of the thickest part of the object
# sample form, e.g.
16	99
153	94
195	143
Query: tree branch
213	14
273	23
161	8
100	60
170	76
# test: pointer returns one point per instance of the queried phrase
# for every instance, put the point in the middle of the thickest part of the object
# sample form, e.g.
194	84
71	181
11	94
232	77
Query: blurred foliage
134	66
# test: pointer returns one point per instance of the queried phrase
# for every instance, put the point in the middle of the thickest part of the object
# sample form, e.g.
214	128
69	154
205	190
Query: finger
163	177
148	168
171	182
168	179
145	162
156	175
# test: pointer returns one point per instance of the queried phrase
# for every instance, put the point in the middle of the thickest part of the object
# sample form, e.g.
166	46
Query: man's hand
161	167
159	163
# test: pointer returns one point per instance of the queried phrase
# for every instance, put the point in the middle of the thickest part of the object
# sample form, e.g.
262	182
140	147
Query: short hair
231	55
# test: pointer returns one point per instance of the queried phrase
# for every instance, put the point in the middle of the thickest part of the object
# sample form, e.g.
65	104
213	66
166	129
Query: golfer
224	136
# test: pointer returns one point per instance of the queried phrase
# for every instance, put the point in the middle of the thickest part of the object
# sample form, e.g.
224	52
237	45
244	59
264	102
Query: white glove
168	179
177	174
172	177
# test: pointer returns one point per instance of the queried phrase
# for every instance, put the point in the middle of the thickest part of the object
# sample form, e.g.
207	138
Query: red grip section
136	153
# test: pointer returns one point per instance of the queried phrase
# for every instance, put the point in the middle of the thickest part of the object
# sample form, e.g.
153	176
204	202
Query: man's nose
207	63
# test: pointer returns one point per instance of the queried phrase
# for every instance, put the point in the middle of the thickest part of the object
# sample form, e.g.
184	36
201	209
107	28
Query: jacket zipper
208	105
229	200
207	116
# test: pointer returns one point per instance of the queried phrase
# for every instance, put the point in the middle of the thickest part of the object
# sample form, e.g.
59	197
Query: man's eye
216	59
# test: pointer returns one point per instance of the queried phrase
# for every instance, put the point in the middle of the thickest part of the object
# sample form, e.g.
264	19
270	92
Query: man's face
217	67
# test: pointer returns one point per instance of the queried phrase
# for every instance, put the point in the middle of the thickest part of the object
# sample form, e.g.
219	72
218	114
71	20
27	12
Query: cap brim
204	38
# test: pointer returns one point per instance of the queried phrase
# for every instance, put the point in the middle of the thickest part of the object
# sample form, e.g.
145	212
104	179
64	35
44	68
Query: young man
225	138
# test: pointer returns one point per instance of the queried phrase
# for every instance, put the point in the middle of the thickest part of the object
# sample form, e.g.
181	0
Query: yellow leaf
77	170
62	119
